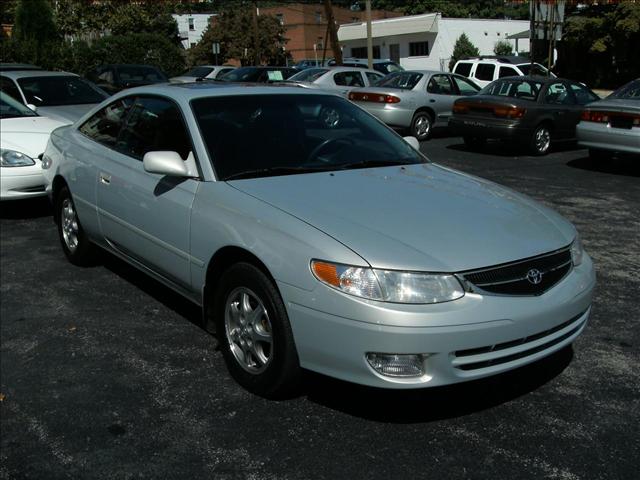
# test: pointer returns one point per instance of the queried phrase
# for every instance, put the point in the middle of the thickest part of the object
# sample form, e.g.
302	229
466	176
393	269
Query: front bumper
473	337
21	182
604	137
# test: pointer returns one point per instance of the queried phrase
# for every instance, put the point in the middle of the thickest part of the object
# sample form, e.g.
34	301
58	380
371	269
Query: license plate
474	124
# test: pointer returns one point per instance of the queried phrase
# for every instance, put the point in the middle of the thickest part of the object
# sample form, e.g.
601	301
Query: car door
561	101
440	95
345	81
373	77
144	215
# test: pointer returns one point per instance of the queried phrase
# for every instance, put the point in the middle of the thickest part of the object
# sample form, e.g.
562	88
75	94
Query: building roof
390	26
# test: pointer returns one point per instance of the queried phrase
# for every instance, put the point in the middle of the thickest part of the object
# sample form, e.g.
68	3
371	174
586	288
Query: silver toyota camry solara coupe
315	237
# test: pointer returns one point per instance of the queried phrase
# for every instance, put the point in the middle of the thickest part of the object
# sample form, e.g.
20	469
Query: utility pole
369	39
333	33
532	29
256	59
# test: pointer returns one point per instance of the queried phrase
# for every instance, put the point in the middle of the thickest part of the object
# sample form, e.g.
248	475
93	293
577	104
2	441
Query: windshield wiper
273	171
375	163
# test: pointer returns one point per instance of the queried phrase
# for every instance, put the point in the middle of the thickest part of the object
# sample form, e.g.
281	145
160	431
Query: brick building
306	26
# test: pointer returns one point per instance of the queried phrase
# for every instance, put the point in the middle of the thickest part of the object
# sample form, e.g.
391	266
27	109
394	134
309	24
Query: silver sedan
613	124
416	100
335	247
337	79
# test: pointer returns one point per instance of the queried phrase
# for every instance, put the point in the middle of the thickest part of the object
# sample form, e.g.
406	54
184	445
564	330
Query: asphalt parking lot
106	374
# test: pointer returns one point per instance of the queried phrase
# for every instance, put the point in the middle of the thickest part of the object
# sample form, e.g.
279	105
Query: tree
34	21
462	49
233	30
503	47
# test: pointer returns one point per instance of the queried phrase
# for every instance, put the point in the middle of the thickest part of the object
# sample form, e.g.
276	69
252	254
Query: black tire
271	370
541	140
76	246
421	125
474	142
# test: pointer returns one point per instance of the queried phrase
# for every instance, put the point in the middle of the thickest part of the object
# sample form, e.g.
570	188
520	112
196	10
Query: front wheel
541	140
421	125
254	333
75	244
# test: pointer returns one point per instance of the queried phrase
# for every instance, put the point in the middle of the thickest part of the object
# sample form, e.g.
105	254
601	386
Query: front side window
537	69
507	72
440	85
465	87
9	87
59	90
12	108
484	71
402	80
557	94
294	133
374	77
348	79
154	124
105	125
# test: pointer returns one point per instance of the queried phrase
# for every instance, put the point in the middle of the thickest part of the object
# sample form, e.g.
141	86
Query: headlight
388	285
11	158
577	251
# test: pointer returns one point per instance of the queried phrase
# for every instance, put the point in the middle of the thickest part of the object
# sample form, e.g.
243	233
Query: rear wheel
541	140
75	244
421	125
254	332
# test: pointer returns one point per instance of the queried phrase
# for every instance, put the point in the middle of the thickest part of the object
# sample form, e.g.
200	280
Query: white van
484	70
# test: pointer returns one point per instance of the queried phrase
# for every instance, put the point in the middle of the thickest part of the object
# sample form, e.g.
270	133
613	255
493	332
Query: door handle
104	178
431	100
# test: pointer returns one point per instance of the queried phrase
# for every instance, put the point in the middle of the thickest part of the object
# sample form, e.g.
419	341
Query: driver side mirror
165	163
32	107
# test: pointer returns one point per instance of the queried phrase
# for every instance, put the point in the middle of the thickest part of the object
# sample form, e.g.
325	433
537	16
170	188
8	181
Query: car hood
66	113
27	134
616	105
421	217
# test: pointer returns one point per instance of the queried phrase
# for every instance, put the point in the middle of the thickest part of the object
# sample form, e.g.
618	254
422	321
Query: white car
23	138
336	79
202	72
485	69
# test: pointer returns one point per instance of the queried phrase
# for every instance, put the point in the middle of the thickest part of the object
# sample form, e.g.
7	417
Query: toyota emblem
534	276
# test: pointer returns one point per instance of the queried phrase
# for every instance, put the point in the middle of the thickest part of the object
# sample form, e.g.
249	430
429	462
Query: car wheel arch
220	262
56	186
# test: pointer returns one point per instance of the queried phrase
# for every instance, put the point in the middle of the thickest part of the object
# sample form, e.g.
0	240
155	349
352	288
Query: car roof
16	74
192	90
512	59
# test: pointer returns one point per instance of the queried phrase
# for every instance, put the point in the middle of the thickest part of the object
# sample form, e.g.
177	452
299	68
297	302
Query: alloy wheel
69	220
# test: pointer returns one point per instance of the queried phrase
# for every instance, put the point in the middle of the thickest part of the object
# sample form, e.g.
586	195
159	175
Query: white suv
484	70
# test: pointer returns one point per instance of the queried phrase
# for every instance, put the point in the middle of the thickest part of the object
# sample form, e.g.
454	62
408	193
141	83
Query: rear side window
465	87
374	77
104	126
484	71
507	72
154	124
348	79
440	85
463	68
583	94
557	94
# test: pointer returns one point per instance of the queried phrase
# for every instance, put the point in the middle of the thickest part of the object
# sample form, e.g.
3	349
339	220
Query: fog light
394	365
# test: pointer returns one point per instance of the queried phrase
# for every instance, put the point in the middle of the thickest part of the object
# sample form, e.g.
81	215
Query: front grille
507	351
532	276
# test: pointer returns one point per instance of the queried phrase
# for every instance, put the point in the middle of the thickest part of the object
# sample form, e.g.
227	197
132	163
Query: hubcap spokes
422	126
69	221
543	139
248	329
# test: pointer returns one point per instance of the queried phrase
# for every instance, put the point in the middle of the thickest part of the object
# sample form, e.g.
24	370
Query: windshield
294	133
537	69
515	88
11	108
630	91
59	90
198	72
402	80
309	75
140	74
248	74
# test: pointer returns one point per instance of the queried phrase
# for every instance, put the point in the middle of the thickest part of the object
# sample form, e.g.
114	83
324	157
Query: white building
427	41
191	27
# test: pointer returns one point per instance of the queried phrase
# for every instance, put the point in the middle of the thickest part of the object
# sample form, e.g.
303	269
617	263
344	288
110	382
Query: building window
418	49
280	18
191	24
318	16
361	52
